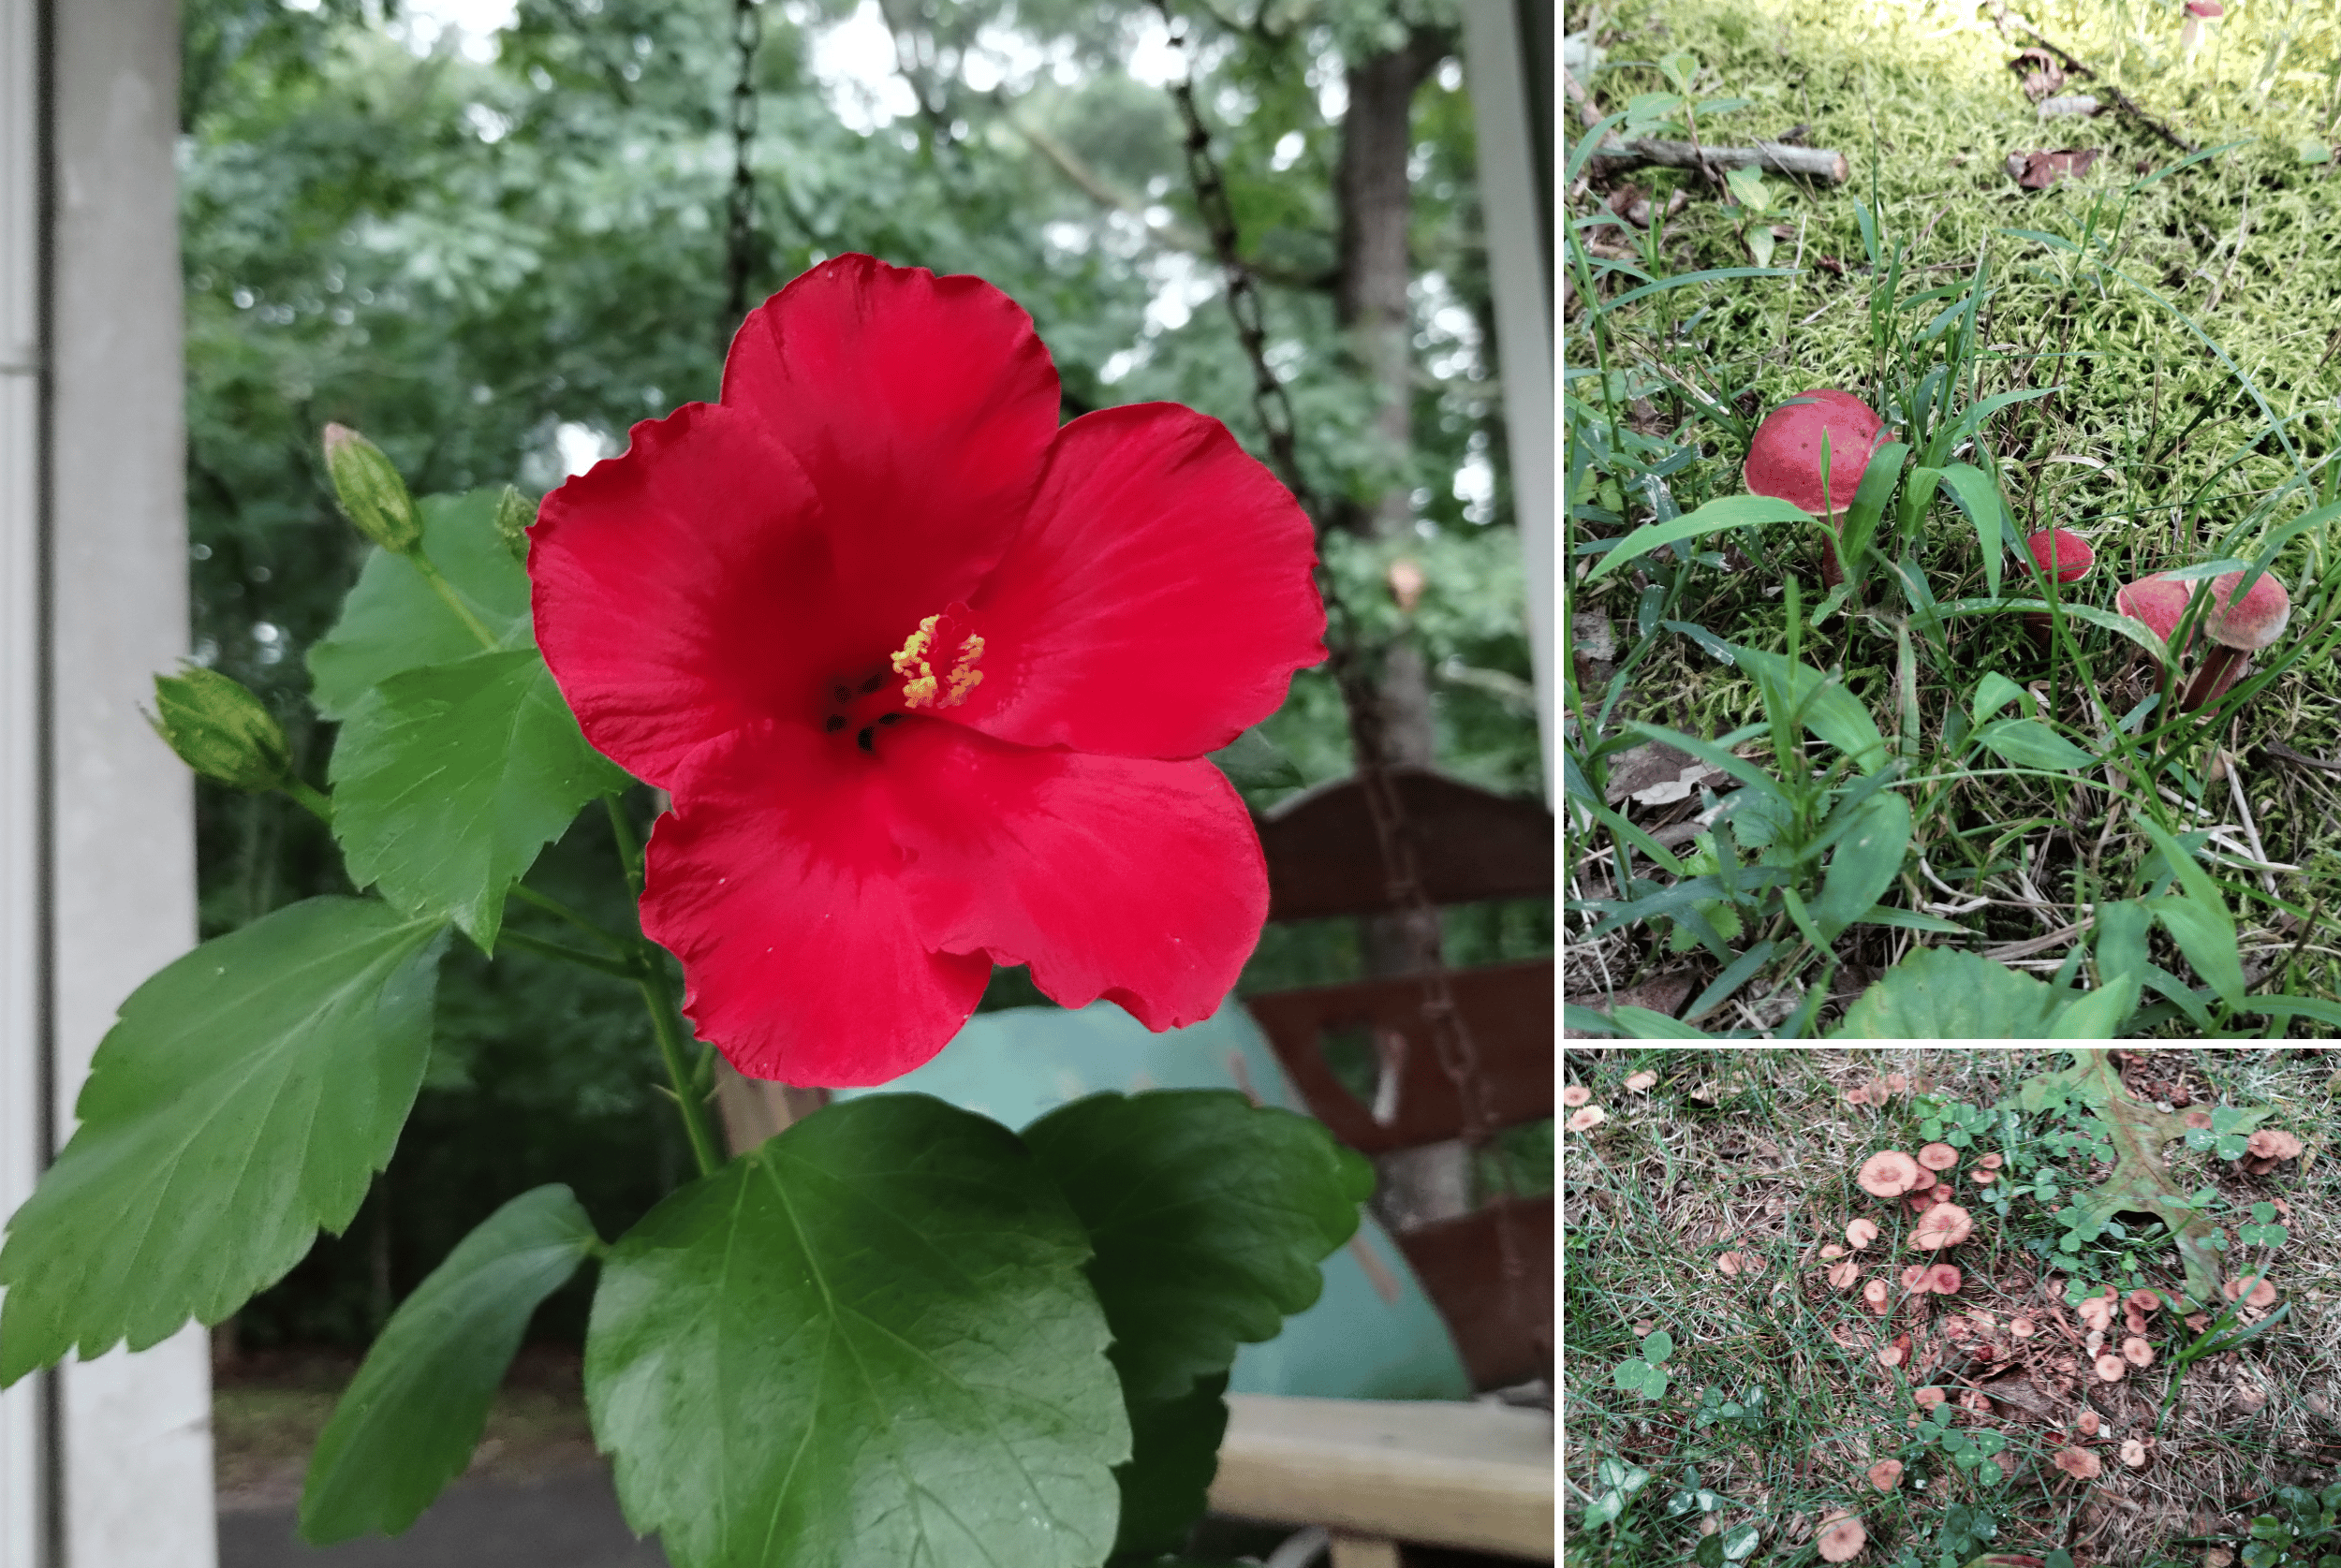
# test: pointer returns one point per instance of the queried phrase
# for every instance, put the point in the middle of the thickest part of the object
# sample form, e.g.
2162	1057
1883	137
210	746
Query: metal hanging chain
1450	1038
747	36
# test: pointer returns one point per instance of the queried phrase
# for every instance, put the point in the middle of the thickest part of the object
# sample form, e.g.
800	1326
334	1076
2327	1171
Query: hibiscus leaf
1174	1453
394	621
1253	761
1210	1216
411	1418
246	1097
869	1339
449	779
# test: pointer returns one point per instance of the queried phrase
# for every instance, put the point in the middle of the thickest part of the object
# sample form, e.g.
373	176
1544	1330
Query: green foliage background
461	259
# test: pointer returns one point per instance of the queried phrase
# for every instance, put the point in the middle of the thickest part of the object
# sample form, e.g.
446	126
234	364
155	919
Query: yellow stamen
924	689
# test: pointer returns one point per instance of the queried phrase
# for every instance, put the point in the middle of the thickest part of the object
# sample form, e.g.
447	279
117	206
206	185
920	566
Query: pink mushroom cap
2253	622
2210	10
1784	457
2159	601
2063	552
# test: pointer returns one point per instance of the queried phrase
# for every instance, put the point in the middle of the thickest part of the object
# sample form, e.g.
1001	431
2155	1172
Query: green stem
629	846
543	949
317	803
665	1021
454	601
559	911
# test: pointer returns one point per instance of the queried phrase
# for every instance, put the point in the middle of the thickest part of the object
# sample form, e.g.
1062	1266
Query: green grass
2175	335
1754	1152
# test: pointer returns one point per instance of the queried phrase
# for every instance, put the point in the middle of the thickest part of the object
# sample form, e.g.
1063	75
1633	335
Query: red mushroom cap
2063	552
2159	601
2208	9
1783	458
2252	622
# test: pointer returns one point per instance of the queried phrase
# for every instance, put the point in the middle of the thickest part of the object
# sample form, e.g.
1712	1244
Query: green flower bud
513	516
374	498
220	729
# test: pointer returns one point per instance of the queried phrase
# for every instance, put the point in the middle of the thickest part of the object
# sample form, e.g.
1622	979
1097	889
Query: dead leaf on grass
2039	71
2038	171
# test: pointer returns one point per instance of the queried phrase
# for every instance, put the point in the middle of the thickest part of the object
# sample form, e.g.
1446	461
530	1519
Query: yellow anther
924	688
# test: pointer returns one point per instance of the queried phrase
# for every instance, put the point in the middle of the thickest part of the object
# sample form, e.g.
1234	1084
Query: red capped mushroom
2237	630
2065	556
1784	457
1888	1174
2191	31
2159	601
1946	1224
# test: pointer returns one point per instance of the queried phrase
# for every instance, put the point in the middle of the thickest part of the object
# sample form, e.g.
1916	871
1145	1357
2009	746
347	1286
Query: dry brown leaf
2038	171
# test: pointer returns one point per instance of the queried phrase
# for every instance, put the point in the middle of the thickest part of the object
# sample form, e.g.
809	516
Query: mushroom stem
2222	666
1831	569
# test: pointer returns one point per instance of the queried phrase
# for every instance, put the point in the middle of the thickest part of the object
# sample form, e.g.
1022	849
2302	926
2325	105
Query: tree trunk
1372	307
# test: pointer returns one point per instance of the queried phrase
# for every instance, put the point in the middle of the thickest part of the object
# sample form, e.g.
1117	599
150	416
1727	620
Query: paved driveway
571	1521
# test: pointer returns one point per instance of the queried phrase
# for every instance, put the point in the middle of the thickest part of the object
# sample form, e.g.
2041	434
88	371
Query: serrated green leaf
1209	1215
870	1338
1174	1453
448	779
394	621
245	1098
408	1422
1939	993
1253	761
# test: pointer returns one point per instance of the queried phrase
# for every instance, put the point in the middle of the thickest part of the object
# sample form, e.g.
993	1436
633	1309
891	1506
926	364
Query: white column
23	1046
97	845
1496	60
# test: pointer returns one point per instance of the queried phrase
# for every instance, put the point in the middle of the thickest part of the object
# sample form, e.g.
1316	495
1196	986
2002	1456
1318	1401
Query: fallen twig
1772	157
2283	753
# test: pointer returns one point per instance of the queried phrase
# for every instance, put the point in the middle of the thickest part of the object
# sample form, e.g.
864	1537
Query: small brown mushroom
2111	1368
1982	1178
1897	1083
2146	1300
1832	1251
2271	1143
1858	1096
1946	1224
1587	1119
1929	1397
2089	1423
1938	1156
2019	1328
1734	1263
1576	1094
1841	1538
1645	1328
1943	1280
1891	1356
2264	1294
1926	1182
1641	1083
2197	1118
1914	1279
1843	1274
2137	1352
2079	1464
1990	1162
1888	1174
2134	1454
1886	1474
2096	1312
1874	1292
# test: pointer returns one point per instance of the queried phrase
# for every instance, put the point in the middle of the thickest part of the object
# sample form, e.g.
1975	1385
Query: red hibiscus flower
929	678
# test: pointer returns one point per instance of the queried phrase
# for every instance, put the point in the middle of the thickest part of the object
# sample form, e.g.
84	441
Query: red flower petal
1127	878
1158	600
779	887
660	577
921	407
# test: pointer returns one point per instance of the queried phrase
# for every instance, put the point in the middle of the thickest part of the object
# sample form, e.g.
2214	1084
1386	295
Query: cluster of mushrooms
1784	461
